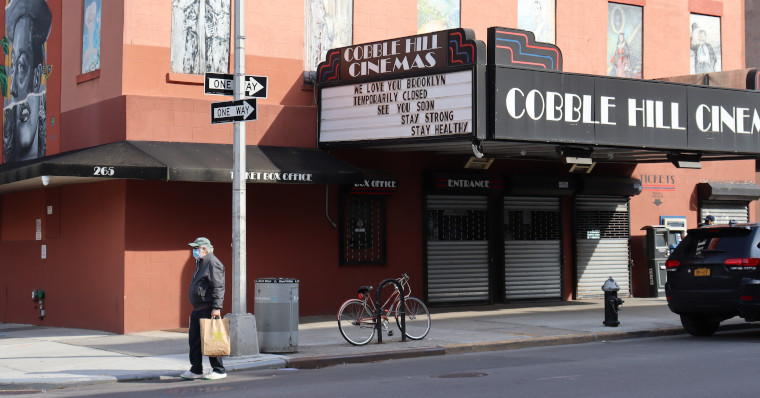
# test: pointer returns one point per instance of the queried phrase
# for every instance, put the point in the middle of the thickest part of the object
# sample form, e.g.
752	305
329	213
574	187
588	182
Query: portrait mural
705	44
328	24
91	36
624	41
538	17
200	39
435	15
27	28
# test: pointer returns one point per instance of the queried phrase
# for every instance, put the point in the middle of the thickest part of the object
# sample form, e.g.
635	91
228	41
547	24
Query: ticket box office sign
408	89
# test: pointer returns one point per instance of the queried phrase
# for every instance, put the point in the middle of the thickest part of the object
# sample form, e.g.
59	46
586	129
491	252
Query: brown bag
215	337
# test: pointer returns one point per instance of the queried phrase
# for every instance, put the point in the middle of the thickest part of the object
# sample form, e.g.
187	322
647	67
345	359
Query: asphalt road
675	366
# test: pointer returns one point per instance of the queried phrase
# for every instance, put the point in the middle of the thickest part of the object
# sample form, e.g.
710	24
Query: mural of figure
704	55
540	28
328	25
621	60
27	24
217	35
91	54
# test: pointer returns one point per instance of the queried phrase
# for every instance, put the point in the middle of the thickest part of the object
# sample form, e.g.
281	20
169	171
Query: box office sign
559	107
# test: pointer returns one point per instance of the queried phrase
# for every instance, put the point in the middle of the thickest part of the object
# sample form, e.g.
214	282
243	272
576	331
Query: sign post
243	334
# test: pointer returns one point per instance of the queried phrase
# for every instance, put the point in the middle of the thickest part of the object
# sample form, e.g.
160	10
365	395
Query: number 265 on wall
103	171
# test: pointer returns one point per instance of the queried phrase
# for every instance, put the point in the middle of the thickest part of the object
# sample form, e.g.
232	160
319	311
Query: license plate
702	272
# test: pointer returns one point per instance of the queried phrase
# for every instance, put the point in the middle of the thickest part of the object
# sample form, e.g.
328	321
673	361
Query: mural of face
25	84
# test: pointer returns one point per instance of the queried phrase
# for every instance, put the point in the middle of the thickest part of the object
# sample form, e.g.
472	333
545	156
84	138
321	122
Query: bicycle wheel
417	318
355	322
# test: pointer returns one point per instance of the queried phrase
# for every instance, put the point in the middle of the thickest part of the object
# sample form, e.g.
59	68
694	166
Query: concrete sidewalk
39	357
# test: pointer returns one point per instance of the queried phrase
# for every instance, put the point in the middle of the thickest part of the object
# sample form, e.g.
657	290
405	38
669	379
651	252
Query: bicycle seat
364	289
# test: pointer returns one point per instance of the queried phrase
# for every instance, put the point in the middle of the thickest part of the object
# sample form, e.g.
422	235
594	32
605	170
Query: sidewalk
39	357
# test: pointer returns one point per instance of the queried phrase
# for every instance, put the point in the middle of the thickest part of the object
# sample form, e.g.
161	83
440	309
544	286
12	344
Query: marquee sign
408	88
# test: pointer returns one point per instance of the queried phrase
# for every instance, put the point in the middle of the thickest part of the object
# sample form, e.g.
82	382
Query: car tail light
742	263
670	264
747	298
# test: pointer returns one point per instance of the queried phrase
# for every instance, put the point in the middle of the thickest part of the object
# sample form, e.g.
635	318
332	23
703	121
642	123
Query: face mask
196	253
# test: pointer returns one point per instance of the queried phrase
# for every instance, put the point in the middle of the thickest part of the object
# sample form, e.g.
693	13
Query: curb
324	361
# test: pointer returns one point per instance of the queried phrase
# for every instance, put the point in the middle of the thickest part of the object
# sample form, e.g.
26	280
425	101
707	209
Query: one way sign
233	111
222	84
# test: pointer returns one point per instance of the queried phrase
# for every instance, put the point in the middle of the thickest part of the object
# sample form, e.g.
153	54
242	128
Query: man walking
206	296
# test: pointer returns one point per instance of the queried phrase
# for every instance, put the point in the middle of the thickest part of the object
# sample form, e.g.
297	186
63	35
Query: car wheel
698	325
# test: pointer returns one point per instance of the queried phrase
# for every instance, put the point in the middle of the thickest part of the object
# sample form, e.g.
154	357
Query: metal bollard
611	303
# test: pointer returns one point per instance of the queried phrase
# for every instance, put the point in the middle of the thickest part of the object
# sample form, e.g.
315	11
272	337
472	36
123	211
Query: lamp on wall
685	160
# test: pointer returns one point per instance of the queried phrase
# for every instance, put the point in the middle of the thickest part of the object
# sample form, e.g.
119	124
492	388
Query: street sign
233	111
222	84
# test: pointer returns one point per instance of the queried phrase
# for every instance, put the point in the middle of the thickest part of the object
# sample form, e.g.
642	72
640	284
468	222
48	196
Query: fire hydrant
611	303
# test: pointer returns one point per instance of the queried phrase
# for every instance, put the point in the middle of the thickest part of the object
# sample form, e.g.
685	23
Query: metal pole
243	335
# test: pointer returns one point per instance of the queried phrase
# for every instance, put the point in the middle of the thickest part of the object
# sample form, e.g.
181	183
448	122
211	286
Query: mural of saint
435	15
537	16
705	44
91	36
329	24
624	41
27	27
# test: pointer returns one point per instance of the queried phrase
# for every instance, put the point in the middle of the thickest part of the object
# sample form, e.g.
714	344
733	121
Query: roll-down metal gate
602	245
724	211
532	250
457	249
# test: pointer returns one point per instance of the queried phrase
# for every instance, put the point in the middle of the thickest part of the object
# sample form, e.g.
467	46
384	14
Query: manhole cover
460	375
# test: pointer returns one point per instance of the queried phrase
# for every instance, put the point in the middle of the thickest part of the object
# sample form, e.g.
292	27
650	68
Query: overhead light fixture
685	160
576	155
45	180
477	163
477	148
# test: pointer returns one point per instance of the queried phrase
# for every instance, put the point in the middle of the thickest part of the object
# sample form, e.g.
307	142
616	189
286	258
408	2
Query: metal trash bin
276	311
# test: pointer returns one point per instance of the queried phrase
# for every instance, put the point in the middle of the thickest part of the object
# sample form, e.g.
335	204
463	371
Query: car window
705	243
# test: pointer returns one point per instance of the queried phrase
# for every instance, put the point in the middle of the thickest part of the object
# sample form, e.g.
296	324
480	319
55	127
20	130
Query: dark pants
194	338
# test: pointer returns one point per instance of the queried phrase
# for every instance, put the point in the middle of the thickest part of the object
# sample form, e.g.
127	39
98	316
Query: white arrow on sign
233	111
244	109
254	85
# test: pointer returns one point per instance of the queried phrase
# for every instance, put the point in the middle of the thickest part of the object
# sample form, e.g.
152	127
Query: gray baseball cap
200	242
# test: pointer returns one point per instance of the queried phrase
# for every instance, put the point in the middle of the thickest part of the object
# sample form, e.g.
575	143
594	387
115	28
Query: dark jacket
207	287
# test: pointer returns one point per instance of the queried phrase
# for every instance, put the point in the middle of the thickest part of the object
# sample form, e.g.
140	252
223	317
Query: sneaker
215	376
189	375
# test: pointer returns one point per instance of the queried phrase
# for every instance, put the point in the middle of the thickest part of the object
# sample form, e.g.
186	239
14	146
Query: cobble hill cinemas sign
407	88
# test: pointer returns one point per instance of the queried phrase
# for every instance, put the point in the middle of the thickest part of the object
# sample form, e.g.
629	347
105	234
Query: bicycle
357	318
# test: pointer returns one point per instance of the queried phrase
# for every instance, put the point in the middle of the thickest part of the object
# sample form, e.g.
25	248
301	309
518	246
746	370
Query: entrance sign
233	111
222	84
423	106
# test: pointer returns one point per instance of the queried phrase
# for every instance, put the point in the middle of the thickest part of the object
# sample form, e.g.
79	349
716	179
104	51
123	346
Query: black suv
714	275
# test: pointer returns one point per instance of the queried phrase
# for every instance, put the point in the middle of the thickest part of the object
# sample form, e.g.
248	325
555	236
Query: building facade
121	167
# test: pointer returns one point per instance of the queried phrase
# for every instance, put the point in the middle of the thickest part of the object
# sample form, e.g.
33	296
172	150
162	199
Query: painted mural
328	24
91	36
705	44
435	15
200	36
26	71
624	41
537	16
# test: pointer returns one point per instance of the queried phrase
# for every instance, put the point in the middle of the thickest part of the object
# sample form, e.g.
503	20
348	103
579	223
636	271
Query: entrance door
532	249
602	243
457	249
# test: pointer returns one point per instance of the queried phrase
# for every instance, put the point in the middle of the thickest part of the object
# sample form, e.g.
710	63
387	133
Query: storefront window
200	36
363	230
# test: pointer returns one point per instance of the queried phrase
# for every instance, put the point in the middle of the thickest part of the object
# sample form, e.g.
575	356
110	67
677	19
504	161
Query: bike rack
379	315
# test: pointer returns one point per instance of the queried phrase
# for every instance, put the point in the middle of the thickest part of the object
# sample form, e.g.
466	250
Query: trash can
276	311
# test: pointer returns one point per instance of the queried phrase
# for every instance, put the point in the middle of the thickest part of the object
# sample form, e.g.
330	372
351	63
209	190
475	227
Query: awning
737	191
177	161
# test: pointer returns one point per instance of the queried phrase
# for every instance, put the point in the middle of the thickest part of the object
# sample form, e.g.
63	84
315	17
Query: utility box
276	311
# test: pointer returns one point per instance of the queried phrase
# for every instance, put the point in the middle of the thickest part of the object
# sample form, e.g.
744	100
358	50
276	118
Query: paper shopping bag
215	337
